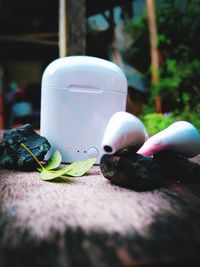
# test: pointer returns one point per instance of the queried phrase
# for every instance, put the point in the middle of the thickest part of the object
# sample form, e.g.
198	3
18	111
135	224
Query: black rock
177	167
13	155
130	170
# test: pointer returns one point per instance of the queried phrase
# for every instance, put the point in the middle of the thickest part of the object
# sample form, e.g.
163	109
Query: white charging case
79	96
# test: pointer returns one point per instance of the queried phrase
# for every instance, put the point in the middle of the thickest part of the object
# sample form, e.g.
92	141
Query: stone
131	170
13	155
141	173
177	167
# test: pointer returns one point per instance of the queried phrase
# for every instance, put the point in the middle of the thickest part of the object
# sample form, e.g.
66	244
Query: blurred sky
99	22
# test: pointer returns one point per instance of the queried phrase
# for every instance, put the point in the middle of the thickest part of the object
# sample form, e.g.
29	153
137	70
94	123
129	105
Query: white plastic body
123	130
181	137
79	95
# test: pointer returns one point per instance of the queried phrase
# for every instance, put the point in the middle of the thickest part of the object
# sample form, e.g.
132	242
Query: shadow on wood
93	223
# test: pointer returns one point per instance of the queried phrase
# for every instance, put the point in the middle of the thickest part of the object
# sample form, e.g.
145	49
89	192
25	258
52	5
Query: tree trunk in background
76	27
72	27
62	39
154	51
1	112
116	56
1	97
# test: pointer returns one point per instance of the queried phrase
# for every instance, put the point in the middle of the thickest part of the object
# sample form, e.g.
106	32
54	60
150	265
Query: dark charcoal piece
177	167
12	155
131	170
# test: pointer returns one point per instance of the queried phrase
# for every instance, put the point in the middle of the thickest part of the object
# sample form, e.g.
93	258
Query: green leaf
28	150
79	168
75	169
47	175
54	161
47	172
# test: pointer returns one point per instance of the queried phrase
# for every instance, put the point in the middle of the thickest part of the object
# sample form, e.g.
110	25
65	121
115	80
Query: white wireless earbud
123	129
181	137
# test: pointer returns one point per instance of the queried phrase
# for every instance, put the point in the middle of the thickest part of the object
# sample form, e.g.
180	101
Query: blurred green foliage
178	24
156	122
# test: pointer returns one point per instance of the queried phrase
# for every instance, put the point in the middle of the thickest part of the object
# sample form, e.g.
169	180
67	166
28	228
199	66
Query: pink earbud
181	137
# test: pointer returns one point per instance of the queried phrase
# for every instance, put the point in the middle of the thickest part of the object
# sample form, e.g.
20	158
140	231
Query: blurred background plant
178	25
156	122
155	42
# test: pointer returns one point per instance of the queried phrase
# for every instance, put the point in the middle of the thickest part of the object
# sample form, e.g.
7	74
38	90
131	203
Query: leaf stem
28	150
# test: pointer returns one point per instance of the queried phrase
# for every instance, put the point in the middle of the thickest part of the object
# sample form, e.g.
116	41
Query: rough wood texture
93	223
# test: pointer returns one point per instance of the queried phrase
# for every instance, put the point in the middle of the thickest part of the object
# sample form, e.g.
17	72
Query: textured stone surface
131	170
140	173
12	155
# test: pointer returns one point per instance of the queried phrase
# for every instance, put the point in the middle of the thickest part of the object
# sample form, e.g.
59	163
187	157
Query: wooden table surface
91	222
